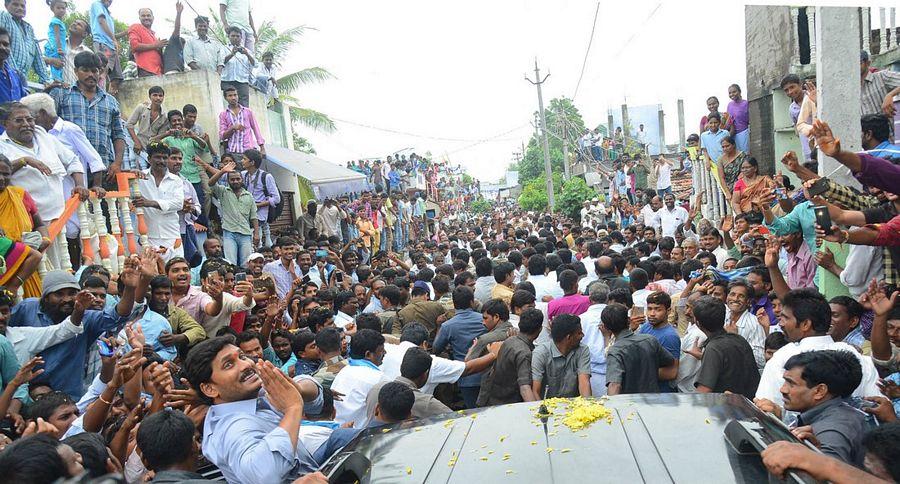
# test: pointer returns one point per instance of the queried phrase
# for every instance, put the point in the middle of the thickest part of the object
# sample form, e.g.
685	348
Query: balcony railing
874	41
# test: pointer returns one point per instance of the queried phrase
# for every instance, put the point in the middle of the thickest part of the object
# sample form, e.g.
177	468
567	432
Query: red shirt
148	60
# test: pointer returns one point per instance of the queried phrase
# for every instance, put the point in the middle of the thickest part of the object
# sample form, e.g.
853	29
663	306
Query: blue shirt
244	441
459	332
98	9
64	363
668	338
25	53
887	151
99	118
153	324
12	86
9	366
802	218
713	143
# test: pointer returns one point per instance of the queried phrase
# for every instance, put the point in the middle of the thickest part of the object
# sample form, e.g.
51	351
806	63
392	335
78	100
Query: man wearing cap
57	302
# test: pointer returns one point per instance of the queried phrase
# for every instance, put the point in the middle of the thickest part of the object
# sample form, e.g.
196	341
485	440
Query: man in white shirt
648	213
663	168
689	362
593	338
442	370
805	320
358	377
40	163
544	287
670	216
739	319
485	282
161	197
586	214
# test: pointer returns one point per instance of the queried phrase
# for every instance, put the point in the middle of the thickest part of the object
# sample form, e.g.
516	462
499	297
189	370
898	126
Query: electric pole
543	120
561	125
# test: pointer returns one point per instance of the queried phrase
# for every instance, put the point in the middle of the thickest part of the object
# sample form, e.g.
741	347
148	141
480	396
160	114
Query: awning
325	178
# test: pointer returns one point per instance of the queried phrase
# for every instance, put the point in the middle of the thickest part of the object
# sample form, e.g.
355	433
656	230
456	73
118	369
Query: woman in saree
728	166
750	186
19	216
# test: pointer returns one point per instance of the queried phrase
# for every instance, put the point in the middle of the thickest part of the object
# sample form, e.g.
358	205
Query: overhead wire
587	51
415	135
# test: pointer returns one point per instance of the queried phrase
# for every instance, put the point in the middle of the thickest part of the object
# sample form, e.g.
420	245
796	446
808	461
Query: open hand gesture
28	372
281	391
825	139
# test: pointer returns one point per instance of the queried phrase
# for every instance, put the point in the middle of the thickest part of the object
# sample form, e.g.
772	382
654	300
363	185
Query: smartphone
818	187
240	277
306	278
339	277
104	349
823	218
321	254
779	192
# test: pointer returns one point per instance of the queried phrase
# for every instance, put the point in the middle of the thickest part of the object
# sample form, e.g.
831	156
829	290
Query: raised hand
161	378
825	258
229	167
180	398
28	372
875	299
773	252
825	139
83	301
127	366
790	161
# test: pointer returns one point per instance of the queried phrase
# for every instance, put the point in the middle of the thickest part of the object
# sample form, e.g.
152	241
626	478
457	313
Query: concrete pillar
795	44
893	40
610	123
662	131
866	27
811	23
681	136
837	74
625	130
883	31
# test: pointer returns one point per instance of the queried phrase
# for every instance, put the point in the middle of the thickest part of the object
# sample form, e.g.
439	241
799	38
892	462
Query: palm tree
279	44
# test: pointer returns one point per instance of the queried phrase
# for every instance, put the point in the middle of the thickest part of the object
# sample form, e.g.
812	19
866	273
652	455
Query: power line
587	51
636	32
493	138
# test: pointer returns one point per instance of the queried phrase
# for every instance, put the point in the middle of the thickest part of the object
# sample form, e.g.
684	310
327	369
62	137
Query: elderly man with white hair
43	108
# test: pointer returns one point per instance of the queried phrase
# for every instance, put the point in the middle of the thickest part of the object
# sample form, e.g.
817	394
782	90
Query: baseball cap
421	285
254	256
58	280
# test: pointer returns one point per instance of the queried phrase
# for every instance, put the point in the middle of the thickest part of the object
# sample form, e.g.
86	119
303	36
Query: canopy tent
326	179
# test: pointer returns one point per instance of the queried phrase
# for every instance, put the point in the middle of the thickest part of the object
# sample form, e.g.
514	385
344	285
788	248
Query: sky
449	77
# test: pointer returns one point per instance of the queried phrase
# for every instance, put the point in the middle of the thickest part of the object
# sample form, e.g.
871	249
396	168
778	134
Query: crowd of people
225	343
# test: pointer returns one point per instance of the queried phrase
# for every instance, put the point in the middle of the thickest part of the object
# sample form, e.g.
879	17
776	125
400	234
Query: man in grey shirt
204	53
562	367
635	363
816	384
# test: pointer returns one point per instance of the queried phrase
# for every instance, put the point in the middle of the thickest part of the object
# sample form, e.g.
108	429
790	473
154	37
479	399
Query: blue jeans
237	247
265	233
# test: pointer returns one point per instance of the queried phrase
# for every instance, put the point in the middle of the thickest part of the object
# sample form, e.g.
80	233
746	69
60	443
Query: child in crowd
57	39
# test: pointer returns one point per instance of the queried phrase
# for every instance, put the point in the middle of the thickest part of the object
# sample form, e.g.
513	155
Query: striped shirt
24	52
242	140
100	118
875	87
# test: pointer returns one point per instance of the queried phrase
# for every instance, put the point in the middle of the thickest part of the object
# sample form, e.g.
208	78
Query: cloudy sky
448	77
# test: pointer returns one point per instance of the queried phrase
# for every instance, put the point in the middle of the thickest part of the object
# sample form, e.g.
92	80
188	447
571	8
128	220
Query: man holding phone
284	270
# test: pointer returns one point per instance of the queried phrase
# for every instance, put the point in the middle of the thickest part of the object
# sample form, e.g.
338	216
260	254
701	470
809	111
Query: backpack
274	212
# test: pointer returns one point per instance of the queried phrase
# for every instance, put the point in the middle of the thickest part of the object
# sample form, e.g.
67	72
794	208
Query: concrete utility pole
681	139
543	120
837	74
561	126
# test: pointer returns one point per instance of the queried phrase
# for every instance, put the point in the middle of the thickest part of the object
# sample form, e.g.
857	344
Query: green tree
574	193
481	206
564	121
303	145
534	196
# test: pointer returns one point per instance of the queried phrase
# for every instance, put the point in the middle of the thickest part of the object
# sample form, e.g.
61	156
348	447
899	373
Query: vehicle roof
649	438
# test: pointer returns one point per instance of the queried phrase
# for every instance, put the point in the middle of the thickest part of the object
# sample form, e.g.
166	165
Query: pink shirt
194	303
249	138
574	304
801	268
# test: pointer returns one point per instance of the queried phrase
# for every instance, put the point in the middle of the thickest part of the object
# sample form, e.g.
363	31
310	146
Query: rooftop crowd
260	350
